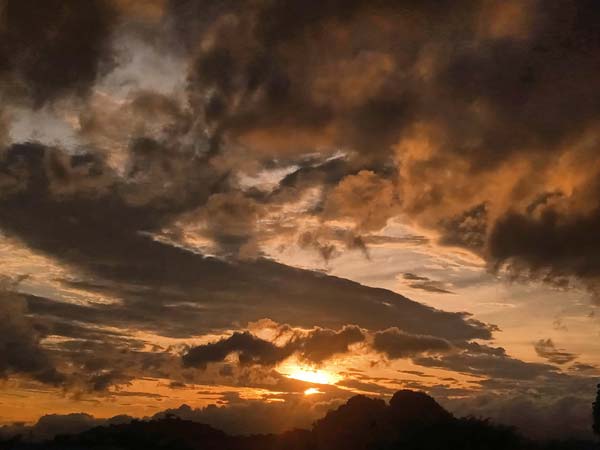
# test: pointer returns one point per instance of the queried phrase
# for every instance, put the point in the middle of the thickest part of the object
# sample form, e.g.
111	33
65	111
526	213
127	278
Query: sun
313	376
312	391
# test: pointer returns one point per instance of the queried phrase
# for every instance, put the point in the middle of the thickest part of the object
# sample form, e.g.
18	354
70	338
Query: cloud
321	344
249	348
395	343
4	127
425	284
54	49
21	352
400	125
81	211
582	367
447	115
546	349
496	366
565	417
50	425
242	416
403	122
365	198
316	346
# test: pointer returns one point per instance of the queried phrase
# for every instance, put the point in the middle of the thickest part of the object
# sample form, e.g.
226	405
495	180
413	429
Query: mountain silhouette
410	421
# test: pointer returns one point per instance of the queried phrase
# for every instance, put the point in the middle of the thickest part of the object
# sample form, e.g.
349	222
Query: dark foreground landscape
411	421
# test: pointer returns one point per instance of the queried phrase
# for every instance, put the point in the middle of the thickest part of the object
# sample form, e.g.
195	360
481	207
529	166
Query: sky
247	212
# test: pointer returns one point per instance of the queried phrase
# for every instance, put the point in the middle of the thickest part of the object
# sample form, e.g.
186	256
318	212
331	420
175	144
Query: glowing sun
313	376
312	391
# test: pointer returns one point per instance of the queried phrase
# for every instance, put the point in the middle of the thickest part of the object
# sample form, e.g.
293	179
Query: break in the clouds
162	153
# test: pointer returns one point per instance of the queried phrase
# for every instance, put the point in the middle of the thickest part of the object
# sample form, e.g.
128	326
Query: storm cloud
166	191
460	123
54	49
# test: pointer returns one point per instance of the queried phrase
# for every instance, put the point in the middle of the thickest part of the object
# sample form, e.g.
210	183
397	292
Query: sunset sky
261	208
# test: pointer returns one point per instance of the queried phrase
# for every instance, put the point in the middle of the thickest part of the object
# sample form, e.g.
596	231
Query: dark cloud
582	367
82	359
401	124
496	366
546	349
21	351
55	48
565	417
4	128
477	120
438	128
321	344
395	343
461	114
425	284
315	346
318	345
78	197
548	244
249	349
82	212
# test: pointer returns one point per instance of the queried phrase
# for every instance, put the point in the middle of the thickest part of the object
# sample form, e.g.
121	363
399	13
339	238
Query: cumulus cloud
315	346
249	349
321	344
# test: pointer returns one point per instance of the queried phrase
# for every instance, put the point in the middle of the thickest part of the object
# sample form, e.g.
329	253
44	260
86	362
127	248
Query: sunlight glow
312	391
314	376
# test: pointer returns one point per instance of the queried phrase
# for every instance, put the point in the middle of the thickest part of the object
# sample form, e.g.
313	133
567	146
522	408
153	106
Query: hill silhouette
410	421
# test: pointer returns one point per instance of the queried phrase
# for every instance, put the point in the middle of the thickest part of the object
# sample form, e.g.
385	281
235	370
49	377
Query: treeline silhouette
411	421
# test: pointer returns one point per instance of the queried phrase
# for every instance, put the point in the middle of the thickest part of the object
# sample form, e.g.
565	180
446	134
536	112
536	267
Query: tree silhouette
596	413
409	421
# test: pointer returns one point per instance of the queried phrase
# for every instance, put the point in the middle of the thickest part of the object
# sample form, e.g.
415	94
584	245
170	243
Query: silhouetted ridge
358	424
365	423
408	405
167	433
411	421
